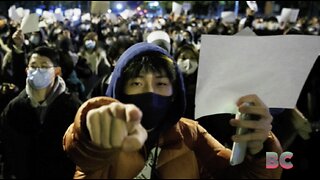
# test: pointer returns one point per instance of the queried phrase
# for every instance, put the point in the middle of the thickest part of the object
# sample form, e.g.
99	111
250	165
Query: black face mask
153	106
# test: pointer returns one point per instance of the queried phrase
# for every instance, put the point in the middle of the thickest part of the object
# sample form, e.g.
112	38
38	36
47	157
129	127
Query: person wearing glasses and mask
33	124
137	129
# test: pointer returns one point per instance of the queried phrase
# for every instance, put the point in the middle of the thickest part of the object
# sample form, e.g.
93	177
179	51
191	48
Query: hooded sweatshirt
115	89
117	83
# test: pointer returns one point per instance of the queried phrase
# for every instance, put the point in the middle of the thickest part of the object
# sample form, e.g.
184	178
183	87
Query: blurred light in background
39	11
119	6
154	4
58	11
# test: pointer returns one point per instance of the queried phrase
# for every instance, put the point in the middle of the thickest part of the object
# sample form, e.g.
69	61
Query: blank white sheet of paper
273	67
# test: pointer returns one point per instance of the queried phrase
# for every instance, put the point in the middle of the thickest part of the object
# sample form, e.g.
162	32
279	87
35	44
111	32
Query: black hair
271	19
117	48
48	52
156	63
65	44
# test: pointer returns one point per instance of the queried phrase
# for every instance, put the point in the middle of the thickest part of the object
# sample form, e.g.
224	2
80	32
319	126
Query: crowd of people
99	99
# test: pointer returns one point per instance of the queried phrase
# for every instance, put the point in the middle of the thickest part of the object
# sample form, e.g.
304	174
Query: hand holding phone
239	148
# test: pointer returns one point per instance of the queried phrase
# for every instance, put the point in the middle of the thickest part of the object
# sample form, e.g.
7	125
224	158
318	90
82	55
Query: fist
116	125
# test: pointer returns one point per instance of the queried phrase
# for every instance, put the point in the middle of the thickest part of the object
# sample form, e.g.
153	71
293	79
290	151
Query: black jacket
34	150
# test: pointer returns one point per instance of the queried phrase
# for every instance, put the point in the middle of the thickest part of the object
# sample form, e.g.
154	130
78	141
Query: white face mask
104	32
259	26
85	27
178	38
90	44
115	29
272	26
34	39
109	41
187	66
57	31
40	78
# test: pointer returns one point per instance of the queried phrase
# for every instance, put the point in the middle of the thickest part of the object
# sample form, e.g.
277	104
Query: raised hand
116	125
260	128
18	38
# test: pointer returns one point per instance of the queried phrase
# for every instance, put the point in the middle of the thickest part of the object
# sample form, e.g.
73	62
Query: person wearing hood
137	129
33	124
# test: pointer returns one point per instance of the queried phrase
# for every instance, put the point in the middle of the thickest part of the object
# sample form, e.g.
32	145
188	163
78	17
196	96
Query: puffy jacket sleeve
77	142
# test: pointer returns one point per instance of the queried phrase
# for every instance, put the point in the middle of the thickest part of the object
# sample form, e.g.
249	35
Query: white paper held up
176	9
273	67
288	14
253	5
30	23
13	14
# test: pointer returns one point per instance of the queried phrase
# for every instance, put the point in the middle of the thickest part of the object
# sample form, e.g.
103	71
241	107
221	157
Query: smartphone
239	149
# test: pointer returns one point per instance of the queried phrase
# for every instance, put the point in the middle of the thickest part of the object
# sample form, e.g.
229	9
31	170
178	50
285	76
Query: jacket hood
116	83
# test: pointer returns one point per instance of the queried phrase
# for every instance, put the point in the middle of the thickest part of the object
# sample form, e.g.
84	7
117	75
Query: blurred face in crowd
90	41
272	25
177	36
110	40
35	38
186	36
90	44
258	24
187	61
